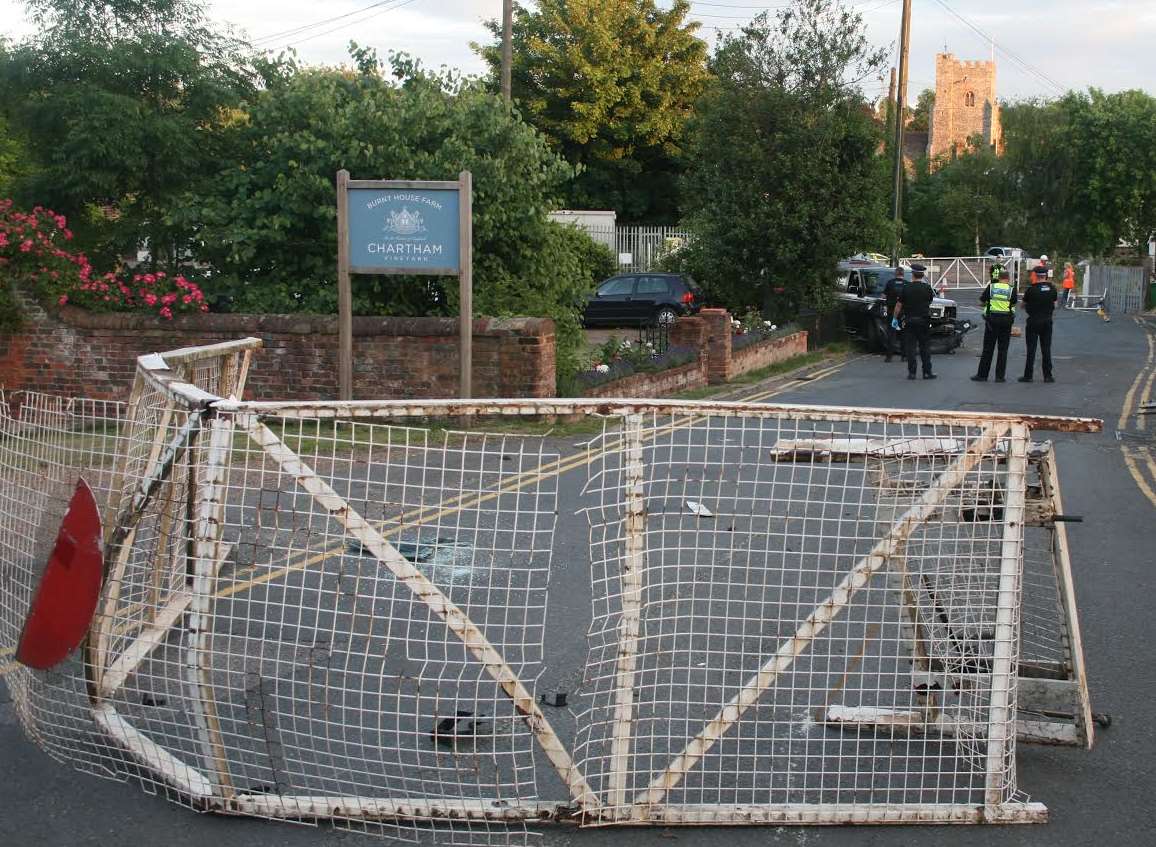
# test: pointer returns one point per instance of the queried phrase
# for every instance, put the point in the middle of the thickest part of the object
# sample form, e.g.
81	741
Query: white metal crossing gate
363	612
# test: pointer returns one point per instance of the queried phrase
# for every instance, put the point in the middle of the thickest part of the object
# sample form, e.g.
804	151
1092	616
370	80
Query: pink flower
169	299
204	307
187	299
167	313
63	299
25	246
68	235
151	299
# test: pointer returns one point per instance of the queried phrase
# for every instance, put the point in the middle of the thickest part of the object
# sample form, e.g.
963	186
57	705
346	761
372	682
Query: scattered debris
699	509
464	725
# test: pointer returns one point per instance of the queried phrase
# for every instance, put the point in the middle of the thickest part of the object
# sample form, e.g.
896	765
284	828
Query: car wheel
666	315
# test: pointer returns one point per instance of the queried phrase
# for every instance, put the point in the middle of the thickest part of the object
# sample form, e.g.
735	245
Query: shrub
751	328
617	358
31	255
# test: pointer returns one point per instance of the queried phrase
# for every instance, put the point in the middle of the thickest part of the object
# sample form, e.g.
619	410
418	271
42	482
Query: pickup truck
859	288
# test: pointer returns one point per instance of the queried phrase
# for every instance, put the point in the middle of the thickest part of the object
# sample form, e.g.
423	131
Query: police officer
1040	304
999	299
891	296
915	307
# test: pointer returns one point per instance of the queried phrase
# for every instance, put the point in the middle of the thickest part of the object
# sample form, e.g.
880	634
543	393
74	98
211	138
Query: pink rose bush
31	252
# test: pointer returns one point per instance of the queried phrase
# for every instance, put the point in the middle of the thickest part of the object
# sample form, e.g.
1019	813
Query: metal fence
655	336
1124	290
638	248
950	273
326	610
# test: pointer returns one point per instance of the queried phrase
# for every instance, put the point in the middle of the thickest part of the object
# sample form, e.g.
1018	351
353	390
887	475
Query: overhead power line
289	37
1023	64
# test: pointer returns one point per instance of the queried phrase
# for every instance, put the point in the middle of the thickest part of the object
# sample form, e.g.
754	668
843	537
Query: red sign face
69	589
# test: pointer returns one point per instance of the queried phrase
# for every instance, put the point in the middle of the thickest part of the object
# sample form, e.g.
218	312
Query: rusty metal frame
211	786
397	409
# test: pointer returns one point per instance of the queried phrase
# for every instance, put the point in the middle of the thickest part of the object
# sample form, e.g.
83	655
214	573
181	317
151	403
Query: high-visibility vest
1000	302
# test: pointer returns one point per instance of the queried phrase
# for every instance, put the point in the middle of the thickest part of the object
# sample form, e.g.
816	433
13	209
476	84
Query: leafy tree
919	117
611	84
266	220
961	206
784	176
1084	169
122	103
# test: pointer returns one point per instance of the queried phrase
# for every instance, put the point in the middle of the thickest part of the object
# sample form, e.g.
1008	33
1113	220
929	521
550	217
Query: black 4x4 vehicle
642	298
860	290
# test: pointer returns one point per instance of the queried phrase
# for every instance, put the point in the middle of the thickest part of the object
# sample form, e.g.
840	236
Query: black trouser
996	334
1041	332
890	337
917	332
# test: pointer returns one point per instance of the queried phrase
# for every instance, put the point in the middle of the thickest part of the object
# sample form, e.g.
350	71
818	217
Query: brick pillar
718	345
689	332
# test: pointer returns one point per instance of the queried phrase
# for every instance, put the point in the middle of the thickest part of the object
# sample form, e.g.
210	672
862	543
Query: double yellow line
1138	458
427	514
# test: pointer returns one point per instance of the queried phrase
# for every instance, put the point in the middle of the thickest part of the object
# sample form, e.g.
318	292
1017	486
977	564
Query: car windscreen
876	279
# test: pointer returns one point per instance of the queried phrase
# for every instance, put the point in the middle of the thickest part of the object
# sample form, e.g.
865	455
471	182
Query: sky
1041	47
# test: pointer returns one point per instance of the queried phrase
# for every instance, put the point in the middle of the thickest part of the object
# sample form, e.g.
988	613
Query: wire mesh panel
770	634
46	444
334	675
340	610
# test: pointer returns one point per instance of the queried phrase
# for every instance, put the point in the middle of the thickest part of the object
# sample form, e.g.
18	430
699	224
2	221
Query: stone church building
965	106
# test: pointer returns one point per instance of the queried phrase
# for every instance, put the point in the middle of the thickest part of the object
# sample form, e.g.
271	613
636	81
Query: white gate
339	611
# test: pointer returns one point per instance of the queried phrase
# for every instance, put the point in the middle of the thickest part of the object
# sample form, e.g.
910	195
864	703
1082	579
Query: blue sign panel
404	230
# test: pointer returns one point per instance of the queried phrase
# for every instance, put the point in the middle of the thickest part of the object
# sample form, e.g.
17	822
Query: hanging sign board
403	227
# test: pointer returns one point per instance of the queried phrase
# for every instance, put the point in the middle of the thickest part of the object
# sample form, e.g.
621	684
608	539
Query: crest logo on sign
404	222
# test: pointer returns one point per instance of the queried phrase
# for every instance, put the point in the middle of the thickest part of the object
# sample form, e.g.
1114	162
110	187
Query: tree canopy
919	116
784	173
1077	177
265	218
121	103
611	84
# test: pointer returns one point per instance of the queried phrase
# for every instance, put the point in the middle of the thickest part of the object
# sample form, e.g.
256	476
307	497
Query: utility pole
900	107
891	104
507	46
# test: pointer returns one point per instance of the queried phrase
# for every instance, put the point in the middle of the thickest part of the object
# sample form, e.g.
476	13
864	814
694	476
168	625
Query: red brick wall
79	353
768	353
711	333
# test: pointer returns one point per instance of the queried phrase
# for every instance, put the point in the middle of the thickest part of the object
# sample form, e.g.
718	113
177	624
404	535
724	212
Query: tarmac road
1105	796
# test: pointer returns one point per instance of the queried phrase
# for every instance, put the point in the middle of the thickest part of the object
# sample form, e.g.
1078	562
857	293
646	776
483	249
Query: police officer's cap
918	269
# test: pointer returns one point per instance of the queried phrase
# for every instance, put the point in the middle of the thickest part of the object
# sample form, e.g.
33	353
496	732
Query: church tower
965	106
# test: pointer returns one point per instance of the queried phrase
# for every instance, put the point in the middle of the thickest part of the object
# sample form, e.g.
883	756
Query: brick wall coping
242	325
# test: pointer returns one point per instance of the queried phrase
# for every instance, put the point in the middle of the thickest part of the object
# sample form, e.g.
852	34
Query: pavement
1103	796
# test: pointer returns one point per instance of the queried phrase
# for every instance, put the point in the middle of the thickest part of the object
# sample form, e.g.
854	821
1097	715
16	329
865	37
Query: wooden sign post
404	227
